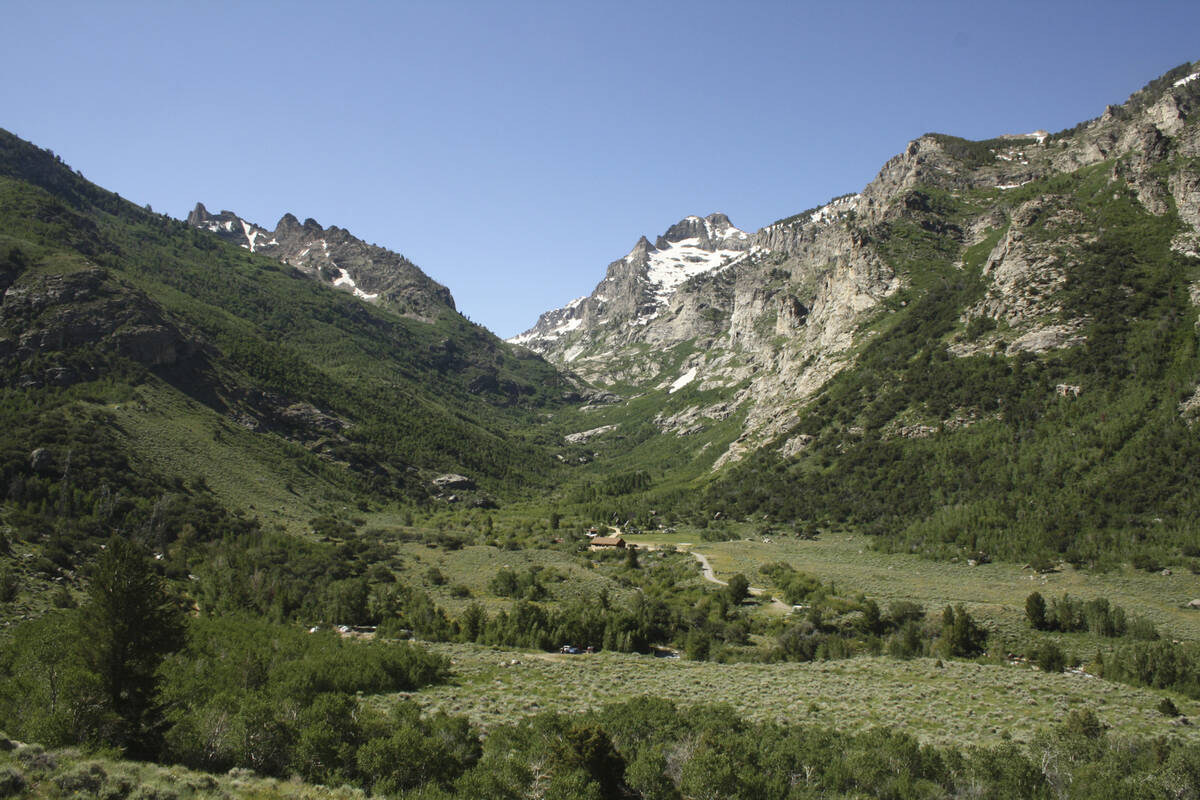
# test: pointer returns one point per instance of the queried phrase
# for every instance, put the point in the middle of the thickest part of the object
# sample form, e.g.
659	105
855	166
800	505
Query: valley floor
949	703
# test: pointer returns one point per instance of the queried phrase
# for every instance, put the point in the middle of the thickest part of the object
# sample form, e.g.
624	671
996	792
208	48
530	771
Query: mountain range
990	348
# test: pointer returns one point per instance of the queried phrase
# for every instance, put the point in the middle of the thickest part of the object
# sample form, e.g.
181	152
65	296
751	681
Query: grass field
994	591
474	566
954	703
178	436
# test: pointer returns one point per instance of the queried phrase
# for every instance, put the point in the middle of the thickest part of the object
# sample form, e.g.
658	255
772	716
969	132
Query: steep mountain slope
788	304
983	322
638	289
144	363
335	257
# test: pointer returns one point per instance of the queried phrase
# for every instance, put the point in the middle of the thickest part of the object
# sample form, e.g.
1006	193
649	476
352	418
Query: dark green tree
739	589
128	625
960	636
1050	657
1035	610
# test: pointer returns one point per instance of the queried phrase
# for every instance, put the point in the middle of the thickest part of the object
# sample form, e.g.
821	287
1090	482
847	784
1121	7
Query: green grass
277	481
474	566
957	703
995	591
68	772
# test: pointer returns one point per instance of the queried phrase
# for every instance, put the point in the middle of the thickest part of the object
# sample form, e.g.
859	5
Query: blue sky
512	150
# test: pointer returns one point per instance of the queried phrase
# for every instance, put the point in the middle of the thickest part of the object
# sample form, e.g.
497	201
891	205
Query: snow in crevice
344	279
835	209
251	235
682	381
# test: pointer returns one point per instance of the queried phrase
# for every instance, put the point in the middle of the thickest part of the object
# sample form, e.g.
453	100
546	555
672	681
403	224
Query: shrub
85	778
1049	657
12	783
1035	611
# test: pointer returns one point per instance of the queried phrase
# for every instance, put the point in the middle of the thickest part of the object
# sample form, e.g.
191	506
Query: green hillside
1094	474
155	366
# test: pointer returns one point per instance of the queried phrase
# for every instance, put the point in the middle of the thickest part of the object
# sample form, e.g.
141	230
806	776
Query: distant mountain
335	257
639	289
915	355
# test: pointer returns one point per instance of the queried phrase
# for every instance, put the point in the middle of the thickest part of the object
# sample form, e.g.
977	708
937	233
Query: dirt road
709	575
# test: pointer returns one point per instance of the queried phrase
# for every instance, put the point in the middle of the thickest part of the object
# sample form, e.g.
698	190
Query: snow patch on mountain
344	279
682	381
671	266
835	209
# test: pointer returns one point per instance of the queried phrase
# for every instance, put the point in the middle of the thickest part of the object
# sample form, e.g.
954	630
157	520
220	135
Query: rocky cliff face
769	317
332	255
45	316
640	289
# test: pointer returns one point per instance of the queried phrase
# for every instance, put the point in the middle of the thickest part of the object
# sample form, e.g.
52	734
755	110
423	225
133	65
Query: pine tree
128	625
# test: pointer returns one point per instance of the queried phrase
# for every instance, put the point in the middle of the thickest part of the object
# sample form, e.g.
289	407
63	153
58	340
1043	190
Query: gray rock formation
770	317
43	315
332	255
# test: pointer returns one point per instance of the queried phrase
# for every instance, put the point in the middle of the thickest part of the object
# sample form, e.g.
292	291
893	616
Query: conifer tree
128	625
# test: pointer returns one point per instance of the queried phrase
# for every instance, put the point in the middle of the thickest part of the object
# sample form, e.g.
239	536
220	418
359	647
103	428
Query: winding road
707	570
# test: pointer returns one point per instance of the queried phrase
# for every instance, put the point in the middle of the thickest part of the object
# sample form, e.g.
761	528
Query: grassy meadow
949	702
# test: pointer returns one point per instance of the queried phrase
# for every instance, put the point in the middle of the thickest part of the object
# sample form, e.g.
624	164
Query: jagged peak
199	215
710	232
640	250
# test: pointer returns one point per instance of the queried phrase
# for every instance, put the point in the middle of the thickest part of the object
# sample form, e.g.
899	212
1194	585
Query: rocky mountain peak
639	287
198	215
336	257
711	233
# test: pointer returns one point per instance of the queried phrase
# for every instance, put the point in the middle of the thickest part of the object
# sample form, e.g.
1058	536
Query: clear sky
513	149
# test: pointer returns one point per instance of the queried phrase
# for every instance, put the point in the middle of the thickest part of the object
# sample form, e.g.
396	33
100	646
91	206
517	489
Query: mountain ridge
336	257
789	315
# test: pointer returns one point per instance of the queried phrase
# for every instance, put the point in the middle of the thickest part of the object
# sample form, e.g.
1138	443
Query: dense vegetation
649	748
1093	479
130	670
170	406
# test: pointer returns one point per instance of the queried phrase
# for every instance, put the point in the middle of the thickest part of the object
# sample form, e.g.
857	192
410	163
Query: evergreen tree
1035	610
128	625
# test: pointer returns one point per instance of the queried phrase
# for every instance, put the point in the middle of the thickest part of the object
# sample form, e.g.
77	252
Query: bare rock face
452	481
41	461
770	317
332	255
1028	266
43	315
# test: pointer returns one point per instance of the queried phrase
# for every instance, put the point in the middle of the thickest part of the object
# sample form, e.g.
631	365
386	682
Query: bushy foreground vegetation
649	748
129	669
